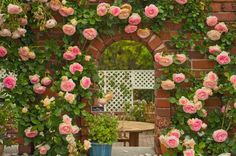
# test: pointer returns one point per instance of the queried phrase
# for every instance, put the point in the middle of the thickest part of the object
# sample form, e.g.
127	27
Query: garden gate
122	83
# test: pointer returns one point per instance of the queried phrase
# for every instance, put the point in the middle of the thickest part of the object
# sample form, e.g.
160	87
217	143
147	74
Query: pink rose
65	128
9	82
166	60
210	84
195	124
39	89
115	11
204	112
214	49
66	11
43	149
66	119
55	5
157	57
76	67
181	58
182	2
69	97
178	78
87	58
51	23
24	53
183	101
69	56
174	132
167	85
134	19
144	33
212	21
85	82
130	29
151	11
189	108
214	35
202	94
102	9
223	58
90	33
172	142
5	33
221	27
67	85
3	51
87	145
30	134
189	152
220	135
21	31
189	143
75	50
69	29
14	9
233	79
34	78
198	105
212	76
23	21
75	129
235	105
46	81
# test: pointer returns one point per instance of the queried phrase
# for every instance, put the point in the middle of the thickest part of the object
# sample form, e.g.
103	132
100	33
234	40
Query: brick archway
155	44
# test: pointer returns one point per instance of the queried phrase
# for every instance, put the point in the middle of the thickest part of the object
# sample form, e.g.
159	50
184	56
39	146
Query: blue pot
100	149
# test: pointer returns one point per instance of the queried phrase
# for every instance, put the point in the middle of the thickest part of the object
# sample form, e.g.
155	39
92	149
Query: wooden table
134	128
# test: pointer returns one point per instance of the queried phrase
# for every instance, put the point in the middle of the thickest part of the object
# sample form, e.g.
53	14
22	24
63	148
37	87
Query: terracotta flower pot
1	149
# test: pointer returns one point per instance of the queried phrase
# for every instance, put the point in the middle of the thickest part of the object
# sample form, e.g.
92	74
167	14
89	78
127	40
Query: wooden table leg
133	139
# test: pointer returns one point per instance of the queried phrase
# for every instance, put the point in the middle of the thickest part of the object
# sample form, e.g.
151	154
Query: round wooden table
134	128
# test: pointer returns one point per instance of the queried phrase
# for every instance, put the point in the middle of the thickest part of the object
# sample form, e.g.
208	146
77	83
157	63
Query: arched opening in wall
127	72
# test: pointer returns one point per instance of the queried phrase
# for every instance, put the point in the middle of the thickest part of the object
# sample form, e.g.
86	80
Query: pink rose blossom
178	78
212	76
87	145
204	112
221	27
85	82
195	124
102	9
5	33
34	78
210	84
182	2
220	135
198	105
75	50
66	119
9	82
233	79
189	143
204	126
157	57
166	60
69	56
130	29
214	35
212	21
23	21
181	58
87	58
75	129
202	94
46	81
67	85
90	33
69	29
172	142
21	31
69	97
14	9
235	105
189	152
55	5
151	11
30	134
3	51
134	19
51	23
223	58
175	132
183	101
76	67
115	10
214	49
189	108
44	149
144	33
66	11
167	85
39	89
65	128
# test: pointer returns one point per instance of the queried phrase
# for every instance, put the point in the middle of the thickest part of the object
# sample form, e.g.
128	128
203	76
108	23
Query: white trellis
122	83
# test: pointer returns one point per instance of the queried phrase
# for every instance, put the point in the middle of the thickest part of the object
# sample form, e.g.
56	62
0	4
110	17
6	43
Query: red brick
93	52
160	93
223	0
229	6
202	64
98	44
195	55
172	26
163	112
225	16
154	42
216	7
233	50
162	103
213	102
107	40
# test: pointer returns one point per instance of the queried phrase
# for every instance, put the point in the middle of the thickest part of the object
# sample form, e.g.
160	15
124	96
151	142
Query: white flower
74	22
225	154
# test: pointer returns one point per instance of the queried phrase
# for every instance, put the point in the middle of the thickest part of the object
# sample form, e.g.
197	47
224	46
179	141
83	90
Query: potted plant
102	132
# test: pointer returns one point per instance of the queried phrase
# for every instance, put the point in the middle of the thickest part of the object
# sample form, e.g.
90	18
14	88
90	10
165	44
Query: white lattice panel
122	83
